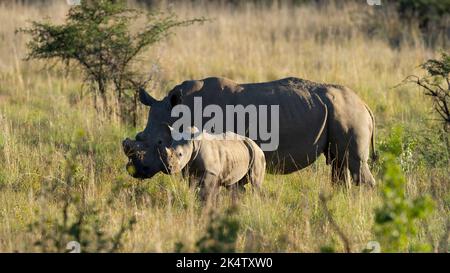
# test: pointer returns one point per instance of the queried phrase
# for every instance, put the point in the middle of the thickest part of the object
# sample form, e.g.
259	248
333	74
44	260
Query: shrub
396	219
221	233
97	36
436	84
77	221
399	145
416	148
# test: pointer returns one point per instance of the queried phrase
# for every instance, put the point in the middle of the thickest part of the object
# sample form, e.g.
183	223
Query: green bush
221	233
416	148
396	219
76	219
436	85
97	36
400	146
77	223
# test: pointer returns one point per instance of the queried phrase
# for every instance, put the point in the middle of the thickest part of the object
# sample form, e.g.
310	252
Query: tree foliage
396	220
98	36
436	84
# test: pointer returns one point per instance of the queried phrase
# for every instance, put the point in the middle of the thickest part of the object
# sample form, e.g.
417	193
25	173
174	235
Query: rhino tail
325	119
251	151
372	139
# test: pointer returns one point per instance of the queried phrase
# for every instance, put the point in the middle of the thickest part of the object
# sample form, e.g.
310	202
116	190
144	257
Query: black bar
242	262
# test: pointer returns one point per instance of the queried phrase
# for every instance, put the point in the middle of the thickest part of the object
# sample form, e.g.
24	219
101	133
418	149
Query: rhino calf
210	161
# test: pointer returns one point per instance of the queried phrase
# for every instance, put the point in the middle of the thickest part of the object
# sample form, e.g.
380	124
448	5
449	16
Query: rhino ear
145	97
176	98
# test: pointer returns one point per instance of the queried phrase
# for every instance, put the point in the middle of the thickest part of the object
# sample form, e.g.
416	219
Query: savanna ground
50	133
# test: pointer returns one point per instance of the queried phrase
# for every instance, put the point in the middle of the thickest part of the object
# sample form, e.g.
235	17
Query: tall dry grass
43	112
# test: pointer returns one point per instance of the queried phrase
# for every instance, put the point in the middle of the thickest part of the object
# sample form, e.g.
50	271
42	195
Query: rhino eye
159	142
180	154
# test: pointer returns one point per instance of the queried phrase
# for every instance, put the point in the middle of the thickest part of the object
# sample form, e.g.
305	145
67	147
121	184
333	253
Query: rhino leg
238	187
257	169
339	164
360	172
350	133
256	182
358	156
339	171
209	187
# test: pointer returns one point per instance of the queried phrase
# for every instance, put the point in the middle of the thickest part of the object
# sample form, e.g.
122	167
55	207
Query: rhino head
144	153
175	158
179	153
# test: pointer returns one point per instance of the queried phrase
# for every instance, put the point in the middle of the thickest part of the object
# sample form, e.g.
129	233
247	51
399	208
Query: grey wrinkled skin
314	119
227	160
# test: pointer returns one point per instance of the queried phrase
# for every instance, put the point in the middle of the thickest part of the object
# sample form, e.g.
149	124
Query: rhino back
228	159
294	96
301	113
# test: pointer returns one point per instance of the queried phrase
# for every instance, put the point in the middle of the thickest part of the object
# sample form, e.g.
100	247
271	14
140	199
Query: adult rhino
314	119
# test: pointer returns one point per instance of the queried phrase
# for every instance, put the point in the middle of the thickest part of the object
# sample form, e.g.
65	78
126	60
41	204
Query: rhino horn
128	146
194	130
